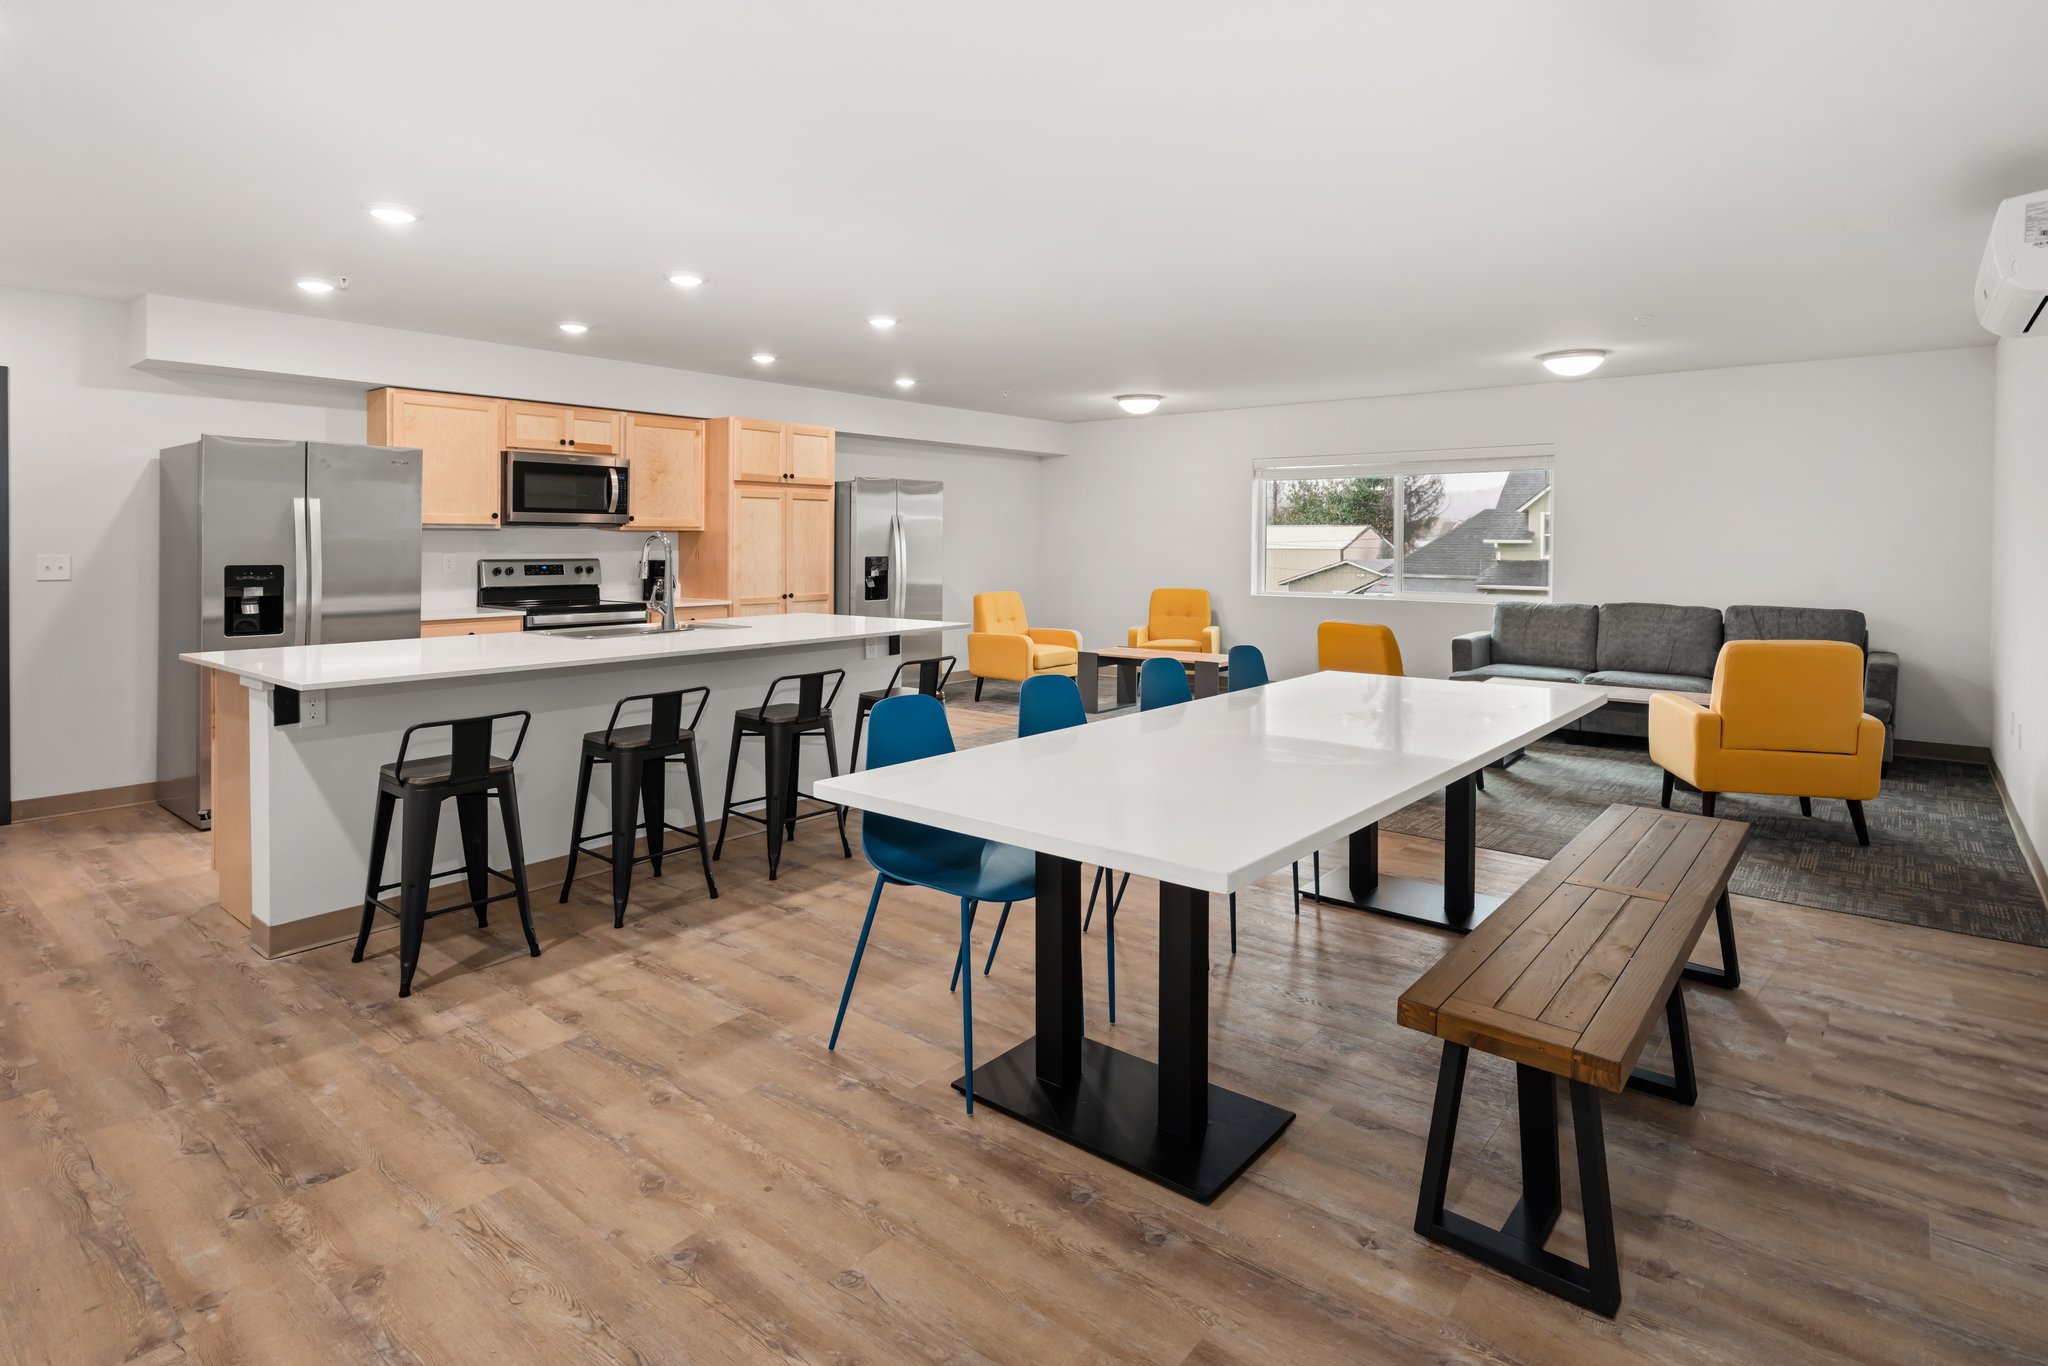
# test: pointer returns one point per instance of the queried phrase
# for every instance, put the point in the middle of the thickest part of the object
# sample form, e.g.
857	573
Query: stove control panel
534	573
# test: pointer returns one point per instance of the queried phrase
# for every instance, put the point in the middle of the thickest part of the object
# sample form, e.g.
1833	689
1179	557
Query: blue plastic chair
1162	683
908	854
1247	668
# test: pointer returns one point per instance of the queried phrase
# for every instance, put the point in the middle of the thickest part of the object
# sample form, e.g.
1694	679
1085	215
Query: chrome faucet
665	595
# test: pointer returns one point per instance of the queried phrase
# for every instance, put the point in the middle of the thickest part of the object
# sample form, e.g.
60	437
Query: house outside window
1456	524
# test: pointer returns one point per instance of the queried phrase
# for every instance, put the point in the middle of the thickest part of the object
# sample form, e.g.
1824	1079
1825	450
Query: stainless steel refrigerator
890	543
267	543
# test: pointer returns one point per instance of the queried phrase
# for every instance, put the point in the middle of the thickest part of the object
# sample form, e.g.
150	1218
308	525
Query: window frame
1395	465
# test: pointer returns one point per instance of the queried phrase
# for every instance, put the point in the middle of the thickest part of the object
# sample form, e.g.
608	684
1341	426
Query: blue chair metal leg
994	943
960	960
860	947
1096	886
1233	922
967	998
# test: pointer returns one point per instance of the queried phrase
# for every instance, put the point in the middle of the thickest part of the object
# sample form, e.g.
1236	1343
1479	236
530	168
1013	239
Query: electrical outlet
52	568
312	709
451	564
871	649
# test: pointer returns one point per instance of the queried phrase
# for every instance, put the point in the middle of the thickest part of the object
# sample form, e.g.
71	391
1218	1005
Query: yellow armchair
1357	647
1786	719
1003	644
1178	619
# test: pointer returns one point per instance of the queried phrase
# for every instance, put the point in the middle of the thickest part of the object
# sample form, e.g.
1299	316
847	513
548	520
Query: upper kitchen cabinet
460	436
550	427
667	455
752	451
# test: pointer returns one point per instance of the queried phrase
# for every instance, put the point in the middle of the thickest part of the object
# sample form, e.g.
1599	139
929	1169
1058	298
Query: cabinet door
759	450
668	472
807	549
596	431
810	455
757	549
536	427
471	626
459	434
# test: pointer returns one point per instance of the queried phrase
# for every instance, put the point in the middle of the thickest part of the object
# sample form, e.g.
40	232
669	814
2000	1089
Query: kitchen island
300	732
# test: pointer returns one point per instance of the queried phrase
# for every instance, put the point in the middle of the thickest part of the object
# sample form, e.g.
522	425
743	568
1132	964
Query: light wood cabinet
807	549
771	452
460	436
471	626
667	455
758	528
549	427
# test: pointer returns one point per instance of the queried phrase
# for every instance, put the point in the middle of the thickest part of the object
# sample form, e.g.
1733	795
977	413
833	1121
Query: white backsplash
448	557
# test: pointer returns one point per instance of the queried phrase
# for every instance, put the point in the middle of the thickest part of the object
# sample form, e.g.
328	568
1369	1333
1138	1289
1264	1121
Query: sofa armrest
1053	635
1138	637
1212	639
1881	677
999	654
1474	651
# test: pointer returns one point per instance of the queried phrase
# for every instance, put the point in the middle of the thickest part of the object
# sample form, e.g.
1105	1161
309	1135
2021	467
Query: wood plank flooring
636	1148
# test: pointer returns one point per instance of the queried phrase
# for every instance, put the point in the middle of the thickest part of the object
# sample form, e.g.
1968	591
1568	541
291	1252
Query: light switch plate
52	568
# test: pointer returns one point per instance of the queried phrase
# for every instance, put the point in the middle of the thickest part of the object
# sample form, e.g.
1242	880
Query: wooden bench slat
1571	973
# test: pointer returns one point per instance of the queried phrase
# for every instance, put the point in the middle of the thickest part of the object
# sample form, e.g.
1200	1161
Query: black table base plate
1114	1114
1404	898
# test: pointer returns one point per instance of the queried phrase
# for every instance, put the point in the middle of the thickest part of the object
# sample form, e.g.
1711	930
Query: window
1438	524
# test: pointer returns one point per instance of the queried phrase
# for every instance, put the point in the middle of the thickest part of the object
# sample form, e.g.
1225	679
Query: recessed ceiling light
763	358
574	329
906	382
392	213
682	279
1572	364
881	324
312	286
1139	404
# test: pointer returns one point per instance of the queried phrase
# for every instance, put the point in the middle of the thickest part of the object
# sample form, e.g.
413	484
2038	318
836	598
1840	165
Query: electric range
554	594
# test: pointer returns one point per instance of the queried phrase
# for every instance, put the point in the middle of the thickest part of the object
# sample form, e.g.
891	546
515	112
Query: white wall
1858	483
86	427
2019	625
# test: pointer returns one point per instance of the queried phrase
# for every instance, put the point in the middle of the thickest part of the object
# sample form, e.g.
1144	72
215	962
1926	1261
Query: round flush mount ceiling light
1572	364
394	214
574	329
906	382
315	286
764	358
1139	404
881	324
683	279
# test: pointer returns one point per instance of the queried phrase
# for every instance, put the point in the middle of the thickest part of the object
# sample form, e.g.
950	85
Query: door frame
6	627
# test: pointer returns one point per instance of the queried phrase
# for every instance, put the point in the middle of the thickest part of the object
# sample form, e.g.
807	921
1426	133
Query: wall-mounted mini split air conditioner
2012	283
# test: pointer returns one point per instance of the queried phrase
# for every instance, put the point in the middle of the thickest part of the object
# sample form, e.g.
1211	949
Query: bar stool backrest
812	702
469	743
665	722
932	675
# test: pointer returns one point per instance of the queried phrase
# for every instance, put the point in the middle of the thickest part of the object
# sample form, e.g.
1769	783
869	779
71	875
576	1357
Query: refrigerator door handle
315	588
301	570
899	556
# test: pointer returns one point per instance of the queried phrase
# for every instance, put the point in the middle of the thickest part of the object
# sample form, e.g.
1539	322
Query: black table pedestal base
1454	903
1404	898
1114	1113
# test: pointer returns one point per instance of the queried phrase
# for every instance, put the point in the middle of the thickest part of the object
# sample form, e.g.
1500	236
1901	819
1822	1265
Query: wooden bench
1566	979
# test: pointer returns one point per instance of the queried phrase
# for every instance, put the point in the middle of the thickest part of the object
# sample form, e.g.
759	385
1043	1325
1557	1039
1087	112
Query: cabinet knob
494	516
572	440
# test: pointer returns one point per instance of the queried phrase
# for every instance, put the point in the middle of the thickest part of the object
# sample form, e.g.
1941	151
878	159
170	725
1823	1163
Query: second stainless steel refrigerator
890	543
273	543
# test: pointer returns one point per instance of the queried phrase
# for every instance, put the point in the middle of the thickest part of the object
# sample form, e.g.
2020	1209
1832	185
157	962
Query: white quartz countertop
370	663
468	613
1215	794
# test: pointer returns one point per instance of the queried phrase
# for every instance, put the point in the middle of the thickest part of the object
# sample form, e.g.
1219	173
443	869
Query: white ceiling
1229	203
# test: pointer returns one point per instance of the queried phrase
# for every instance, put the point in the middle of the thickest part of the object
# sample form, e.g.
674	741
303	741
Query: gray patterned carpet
1942	854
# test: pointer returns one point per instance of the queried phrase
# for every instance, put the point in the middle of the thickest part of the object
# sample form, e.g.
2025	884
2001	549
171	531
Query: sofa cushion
1657	638
1624	678
1541	673
1554	635
1798	623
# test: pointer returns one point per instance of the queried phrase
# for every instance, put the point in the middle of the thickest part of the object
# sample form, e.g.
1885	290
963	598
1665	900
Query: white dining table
1207	797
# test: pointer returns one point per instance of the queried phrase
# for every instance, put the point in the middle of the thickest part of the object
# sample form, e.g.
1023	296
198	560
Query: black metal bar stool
932	677
472	775
782	727
640	756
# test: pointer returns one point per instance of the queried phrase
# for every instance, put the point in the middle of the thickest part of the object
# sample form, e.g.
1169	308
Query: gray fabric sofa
1656	645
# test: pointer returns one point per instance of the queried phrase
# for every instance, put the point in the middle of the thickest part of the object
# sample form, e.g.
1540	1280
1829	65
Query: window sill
1405	597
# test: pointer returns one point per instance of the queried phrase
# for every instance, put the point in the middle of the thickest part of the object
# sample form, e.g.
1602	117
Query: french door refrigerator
268	543
890	541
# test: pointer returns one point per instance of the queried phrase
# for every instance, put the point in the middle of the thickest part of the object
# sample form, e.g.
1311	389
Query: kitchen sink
644	628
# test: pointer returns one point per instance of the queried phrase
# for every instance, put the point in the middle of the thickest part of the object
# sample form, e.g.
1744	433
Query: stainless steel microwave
546	489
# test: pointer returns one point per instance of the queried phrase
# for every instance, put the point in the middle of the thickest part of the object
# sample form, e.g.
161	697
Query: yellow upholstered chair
1004	645
1178	620
1357	647
1786	719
